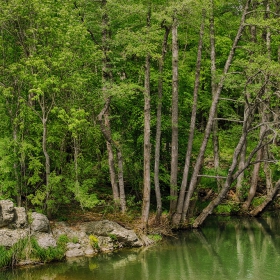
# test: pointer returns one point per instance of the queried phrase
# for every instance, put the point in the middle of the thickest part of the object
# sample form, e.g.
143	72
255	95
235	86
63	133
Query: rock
6	212
74	253
71	246
9	237
20	218
40	223
45	240
114	231
105	243
89	251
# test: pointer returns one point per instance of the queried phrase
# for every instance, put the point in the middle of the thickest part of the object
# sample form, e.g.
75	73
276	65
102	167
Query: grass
28	249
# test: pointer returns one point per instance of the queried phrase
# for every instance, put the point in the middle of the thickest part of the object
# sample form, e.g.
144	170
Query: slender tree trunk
174	141
268	199
116	176
267	171
18	186
147	148
232	174
111	160
212	112
177	216
240	179
104	123
76	156
215	138
47	162
256	169
121	181
158	126
242	160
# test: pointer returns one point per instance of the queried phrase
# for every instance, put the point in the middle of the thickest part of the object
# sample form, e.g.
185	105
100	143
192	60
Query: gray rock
115	231
89	251
105	244
6	212
45	240
74	253
9	237
71	246
20	218
40	223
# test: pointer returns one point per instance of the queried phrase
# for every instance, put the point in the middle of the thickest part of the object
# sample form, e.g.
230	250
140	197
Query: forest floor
131	220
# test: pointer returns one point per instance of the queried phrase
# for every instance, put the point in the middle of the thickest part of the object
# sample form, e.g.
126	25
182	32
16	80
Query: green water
225	248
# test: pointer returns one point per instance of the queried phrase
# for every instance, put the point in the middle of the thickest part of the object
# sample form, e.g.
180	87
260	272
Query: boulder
74	253
6	212
105	243
20	218
89	251
9	237
40	223
113	230
45	240
71	246
74	250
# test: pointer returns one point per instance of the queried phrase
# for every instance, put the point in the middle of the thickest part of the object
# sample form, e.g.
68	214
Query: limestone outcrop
85	239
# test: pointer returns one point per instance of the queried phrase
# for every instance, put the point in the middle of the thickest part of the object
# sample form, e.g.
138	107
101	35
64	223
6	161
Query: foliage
227	208
28	249
155	237
93	241
53	85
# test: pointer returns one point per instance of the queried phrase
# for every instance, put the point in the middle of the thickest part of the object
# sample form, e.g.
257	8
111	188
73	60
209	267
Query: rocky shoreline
84	239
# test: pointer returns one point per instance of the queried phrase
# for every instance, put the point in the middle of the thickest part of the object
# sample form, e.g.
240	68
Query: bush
93	240
227	209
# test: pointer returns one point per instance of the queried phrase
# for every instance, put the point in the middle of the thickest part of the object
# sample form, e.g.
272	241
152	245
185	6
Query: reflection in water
225	248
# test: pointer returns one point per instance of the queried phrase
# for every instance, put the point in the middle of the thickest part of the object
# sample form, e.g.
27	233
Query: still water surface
224	249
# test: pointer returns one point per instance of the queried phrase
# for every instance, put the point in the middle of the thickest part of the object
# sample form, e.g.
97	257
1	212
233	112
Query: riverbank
30	238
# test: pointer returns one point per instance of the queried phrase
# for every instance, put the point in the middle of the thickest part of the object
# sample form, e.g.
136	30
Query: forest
170	106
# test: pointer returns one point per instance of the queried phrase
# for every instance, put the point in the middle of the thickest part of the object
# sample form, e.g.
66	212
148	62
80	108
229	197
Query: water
224	249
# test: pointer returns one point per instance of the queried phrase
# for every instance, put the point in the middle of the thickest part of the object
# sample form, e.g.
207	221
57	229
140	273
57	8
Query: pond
225	248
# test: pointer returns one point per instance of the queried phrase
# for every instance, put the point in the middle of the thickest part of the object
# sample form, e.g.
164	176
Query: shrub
93	240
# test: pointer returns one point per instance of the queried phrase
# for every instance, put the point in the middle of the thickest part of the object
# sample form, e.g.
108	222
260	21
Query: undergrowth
29	249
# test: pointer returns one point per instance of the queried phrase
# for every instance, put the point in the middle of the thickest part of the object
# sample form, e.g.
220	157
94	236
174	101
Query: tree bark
158	125
215	138
121	181
174	141
177	216
111	160
147	149
231	174
212	112
256	169
268	199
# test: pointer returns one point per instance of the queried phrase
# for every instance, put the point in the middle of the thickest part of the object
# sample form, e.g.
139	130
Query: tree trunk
215	138
212	113
158	126
121	181
231	175
111	160
268	199
18	185
174	141
240	179
177	216
147	148
47	162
